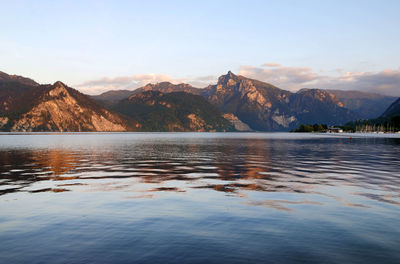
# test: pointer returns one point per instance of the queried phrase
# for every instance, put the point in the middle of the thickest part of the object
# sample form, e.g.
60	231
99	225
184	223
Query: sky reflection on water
178	196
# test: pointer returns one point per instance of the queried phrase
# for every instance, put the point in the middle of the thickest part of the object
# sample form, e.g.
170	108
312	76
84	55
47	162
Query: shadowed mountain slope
177	111
366	105
393	109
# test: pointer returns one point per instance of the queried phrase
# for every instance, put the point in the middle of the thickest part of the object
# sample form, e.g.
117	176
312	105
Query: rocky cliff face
259	105
265	107
60	108
237	123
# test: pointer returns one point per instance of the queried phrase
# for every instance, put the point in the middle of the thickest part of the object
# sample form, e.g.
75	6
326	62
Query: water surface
199	197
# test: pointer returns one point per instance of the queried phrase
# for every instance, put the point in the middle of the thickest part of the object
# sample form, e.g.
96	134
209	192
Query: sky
98	45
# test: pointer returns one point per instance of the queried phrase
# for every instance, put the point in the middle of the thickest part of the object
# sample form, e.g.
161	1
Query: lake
199	197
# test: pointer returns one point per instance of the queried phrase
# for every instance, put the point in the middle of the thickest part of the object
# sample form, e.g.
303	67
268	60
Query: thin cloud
202	81
136	81
294	78
123	83
271	64
290	78
286	77
385	82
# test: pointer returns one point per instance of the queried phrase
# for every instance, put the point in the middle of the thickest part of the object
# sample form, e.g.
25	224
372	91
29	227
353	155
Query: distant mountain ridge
393	109
175	111
389	121
113	95
234	103
366	105
167	87
266	107
164	87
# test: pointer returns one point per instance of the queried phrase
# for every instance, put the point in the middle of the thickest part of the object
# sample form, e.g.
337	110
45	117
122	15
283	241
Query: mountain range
28	106
234	103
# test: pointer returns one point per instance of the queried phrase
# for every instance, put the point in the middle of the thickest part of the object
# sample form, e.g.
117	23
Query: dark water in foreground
195	198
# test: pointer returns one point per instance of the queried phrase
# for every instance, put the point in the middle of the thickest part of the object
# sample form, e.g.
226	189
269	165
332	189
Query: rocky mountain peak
228	79
60	89
59	84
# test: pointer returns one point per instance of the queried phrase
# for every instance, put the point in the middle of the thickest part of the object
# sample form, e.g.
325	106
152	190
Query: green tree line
311	128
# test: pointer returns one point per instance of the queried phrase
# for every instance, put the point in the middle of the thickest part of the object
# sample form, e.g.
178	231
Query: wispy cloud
121	83
286	77
133	82
294	78
384	82
291	78
271	64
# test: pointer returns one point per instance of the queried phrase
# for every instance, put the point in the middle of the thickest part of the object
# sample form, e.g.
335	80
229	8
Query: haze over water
199	197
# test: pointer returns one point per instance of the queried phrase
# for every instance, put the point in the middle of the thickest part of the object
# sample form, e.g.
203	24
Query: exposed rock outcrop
60	108
237	123
267	108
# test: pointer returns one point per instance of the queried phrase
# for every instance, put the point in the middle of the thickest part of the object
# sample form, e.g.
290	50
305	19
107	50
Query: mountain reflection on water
199	198
143	165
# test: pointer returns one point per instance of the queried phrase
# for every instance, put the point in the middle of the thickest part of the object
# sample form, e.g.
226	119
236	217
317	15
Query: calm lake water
199	197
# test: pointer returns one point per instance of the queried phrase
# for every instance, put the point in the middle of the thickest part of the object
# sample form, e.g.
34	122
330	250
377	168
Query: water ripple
230	166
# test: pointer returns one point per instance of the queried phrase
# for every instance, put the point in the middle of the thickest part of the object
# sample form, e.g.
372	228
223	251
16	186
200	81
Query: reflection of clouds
278	204
144	196
385	198
236	167
342	200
